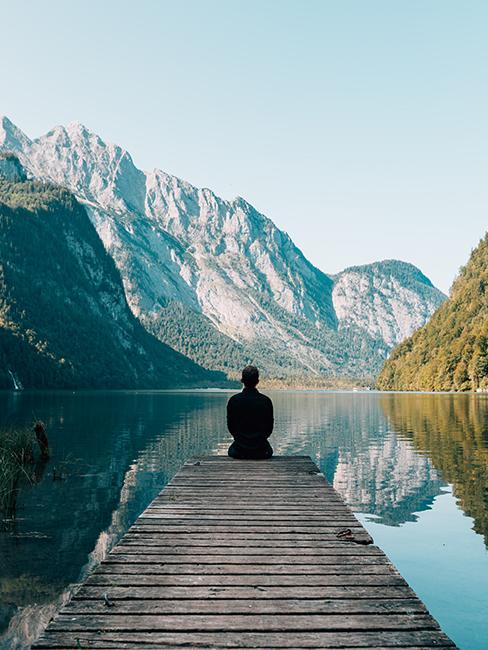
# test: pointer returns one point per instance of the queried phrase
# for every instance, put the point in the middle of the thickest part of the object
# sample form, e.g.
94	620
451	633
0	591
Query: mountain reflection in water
389	455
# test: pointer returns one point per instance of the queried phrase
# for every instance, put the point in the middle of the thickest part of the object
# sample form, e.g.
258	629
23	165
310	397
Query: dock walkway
245	554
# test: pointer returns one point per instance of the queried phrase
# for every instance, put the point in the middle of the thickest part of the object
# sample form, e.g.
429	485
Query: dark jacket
250	419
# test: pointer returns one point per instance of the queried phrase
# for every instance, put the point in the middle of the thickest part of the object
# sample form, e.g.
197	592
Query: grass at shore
16	459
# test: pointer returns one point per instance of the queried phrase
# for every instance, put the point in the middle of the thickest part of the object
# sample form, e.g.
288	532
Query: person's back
250	419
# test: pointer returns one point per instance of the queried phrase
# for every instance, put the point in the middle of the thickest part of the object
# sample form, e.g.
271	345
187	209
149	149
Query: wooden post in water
246	554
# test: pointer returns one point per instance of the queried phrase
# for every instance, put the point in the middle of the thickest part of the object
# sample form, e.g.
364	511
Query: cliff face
216	279
64	319
388	299
451	351
11	169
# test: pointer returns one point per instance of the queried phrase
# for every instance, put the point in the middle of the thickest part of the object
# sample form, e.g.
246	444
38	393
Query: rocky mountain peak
392	298
396	268
11	137
77	128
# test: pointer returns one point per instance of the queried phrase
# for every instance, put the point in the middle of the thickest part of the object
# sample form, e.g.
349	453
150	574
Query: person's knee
268	450
232	451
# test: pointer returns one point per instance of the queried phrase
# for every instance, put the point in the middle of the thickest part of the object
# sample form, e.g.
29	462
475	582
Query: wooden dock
246	554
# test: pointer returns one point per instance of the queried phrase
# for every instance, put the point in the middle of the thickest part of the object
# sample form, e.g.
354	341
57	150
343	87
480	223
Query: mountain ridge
226	264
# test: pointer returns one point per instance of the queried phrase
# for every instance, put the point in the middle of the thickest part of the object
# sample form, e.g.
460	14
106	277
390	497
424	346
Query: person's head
250	376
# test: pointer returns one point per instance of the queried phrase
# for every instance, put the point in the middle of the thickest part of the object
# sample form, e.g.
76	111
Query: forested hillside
451	351
64	319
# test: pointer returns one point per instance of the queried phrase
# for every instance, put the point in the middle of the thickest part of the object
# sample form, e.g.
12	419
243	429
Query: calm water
414	466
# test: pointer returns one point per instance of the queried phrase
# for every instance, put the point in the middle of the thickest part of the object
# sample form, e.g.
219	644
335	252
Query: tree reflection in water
453	431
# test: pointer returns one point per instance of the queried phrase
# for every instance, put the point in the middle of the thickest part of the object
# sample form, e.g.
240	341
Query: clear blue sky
360	127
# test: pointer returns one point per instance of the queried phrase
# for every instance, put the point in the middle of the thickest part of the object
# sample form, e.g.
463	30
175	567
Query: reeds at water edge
16	466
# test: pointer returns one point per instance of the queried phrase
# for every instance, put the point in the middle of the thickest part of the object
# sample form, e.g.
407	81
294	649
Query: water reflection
452	430
375	471
389	456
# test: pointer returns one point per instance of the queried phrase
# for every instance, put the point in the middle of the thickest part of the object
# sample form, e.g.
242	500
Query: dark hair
250	376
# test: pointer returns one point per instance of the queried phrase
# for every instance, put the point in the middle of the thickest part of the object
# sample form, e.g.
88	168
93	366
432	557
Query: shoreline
276	389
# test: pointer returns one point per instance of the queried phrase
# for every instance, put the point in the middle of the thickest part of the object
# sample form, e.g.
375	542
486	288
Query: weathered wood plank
230	513
225	459
102	644
256	592
244	623
234	501
245	520
145	557
280	538
265	472
246	606
238	509
314	639
246	525
225	507
243	580
258	513
139	568
222	488
265	479
163	548
323	531
231	503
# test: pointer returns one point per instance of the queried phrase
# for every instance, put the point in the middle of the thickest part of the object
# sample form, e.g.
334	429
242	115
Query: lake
413	467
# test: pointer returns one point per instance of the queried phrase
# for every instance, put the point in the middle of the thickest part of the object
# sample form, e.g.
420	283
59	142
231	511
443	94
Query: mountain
388	299
64	319
216	279
451	351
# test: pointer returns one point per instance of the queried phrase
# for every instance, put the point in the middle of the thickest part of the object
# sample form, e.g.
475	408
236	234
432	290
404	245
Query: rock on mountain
64	319
451	351
11	169
388	299
216	279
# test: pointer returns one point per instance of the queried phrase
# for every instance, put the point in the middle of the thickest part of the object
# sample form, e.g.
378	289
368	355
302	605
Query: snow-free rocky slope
216	279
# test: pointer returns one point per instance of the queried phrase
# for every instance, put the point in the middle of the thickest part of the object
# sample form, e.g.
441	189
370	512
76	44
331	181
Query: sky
359	127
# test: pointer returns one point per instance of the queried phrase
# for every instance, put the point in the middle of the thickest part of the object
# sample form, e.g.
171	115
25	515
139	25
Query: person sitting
250	419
